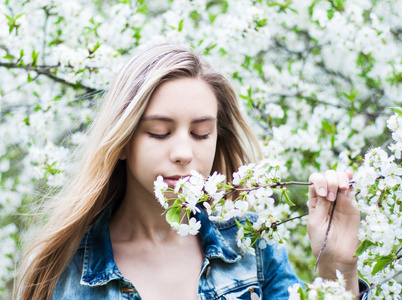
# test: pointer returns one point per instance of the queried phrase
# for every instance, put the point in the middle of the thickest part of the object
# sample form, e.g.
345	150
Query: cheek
145	155
207	155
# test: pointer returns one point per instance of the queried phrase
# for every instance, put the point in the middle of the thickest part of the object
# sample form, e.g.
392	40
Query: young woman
168	113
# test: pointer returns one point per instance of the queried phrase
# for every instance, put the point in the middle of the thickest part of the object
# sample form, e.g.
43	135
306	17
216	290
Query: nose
181	150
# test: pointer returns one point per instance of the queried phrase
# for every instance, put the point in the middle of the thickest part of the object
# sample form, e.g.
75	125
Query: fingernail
322	192
344	183
331	196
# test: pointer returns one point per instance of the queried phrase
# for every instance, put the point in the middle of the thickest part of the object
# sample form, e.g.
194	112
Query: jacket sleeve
275	273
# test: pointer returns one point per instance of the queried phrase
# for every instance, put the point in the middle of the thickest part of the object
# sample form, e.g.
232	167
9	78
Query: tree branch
45	70
379	284
325	240
315	100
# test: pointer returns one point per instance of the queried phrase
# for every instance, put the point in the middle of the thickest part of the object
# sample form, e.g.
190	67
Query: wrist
349	272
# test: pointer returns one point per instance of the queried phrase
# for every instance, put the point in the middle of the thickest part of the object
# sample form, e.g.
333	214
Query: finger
318	204
346	194
343	179
319	185
319	212
350	174
332	184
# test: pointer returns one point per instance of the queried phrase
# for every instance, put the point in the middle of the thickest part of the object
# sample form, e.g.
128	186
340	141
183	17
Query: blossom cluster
254	184
379	187
322	289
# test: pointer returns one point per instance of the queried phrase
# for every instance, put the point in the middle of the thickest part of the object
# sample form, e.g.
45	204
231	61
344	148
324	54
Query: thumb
319	209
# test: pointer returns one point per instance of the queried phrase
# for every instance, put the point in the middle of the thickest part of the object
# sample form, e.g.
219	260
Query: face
176	134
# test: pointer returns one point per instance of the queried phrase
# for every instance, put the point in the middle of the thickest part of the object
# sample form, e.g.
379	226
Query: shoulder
73	282
69	280
270	263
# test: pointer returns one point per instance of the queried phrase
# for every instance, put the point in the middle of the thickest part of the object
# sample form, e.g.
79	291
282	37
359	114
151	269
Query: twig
47	13
45	70
379	199
274	185
379	284
325	240
291	219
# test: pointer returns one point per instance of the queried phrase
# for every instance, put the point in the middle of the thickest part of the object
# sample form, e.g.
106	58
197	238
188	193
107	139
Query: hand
342	240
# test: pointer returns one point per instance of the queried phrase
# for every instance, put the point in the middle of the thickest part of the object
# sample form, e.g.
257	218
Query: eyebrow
170	120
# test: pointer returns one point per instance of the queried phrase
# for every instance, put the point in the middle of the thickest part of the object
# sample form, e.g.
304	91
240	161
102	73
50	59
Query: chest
217	281
159	271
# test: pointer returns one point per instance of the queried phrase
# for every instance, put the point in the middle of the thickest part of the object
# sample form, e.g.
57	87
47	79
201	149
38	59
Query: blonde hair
101	176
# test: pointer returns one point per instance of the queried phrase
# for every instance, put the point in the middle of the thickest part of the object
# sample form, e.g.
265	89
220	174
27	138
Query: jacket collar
214	244
99	266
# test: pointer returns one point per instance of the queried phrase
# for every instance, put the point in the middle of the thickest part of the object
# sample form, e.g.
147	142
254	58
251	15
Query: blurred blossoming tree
316	78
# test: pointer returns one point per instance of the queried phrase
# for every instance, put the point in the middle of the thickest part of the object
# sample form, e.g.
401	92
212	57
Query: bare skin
342	240
155	258
176	134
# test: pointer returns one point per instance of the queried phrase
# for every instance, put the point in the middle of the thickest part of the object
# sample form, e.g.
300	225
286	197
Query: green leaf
18	16
49	169
248	227
287	199
34	57
261	23
58	20
212	18
37	107
333	140
57	98
302	293
363	247
397	110
29	79
180	28
142	9
209	48
330	14
173	215
8	57
26	121
96	47
382	262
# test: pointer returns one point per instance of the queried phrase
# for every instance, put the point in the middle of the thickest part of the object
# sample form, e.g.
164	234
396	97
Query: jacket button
207	272
253	294
127	290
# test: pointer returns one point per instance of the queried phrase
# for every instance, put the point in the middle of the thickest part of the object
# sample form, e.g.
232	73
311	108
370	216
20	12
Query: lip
171	180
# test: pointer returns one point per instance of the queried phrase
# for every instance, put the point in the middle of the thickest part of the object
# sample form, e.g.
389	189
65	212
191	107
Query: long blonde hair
101	176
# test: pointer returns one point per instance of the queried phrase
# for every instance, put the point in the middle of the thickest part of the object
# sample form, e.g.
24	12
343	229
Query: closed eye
200	137
158	136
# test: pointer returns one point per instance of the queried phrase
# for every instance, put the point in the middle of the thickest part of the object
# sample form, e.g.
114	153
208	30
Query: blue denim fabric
226	272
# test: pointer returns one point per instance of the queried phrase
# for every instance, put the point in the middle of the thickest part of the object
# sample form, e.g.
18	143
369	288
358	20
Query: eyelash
158	136
201	137
163	136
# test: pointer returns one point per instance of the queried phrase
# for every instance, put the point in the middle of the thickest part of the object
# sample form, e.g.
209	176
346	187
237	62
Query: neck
139	216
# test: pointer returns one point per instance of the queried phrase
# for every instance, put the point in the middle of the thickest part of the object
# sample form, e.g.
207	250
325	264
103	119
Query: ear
123	153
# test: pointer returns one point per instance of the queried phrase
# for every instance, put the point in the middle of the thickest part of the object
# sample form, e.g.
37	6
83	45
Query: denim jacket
226	273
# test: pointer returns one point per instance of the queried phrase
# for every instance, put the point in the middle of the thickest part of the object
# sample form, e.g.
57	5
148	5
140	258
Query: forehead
191	97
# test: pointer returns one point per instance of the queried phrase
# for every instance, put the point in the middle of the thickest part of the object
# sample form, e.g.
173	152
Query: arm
342	240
